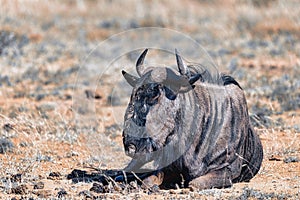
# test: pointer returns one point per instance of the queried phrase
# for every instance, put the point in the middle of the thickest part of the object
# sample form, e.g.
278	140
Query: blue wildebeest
193	125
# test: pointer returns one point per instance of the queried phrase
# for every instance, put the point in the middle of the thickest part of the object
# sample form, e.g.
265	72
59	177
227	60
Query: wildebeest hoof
153	180
195	186
215	179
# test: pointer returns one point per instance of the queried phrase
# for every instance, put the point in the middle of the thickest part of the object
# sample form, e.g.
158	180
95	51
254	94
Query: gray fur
197	131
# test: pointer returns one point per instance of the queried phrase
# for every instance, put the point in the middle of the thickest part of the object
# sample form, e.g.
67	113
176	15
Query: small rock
291	159
23	109
67	96
23	144
40	96
11	39
16	178
21	189
54	175
86	194
105	24
72	153
43	193
5	80
97	187
76	173
13	114
274	158
61	193
39	185
5	146
44	158
8	127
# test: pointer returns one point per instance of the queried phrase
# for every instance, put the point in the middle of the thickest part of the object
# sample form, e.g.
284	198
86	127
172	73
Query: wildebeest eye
152	95
169	93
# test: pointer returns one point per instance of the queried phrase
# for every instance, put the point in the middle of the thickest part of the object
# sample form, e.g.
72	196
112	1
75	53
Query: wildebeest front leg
148	179
215	179
134	165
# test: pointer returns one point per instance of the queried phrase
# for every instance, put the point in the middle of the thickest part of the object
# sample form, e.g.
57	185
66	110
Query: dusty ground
61	109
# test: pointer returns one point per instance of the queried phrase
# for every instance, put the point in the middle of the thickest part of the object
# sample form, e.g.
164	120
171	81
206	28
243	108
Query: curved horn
140	62
183	70
132	80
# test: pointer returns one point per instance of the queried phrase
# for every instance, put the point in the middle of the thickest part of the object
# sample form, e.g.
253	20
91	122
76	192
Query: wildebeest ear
169	93
191	81
132	80
194	78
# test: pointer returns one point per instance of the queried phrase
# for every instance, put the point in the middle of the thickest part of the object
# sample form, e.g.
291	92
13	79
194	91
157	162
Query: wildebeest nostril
131	150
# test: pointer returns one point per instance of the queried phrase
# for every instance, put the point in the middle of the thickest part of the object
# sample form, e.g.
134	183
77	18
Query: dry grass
40	119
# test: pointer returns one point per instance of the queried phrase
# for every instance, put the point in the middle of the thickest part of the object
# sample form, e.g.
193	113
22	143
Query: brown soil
50	139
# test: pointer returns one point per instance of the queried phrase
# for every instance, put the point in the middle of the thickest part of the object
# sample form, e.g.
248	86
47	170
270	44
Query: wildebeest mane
208	76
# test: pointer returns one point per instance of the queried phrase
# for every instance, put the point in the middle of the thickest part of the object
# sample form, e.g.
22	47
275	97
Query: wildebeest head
153	112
